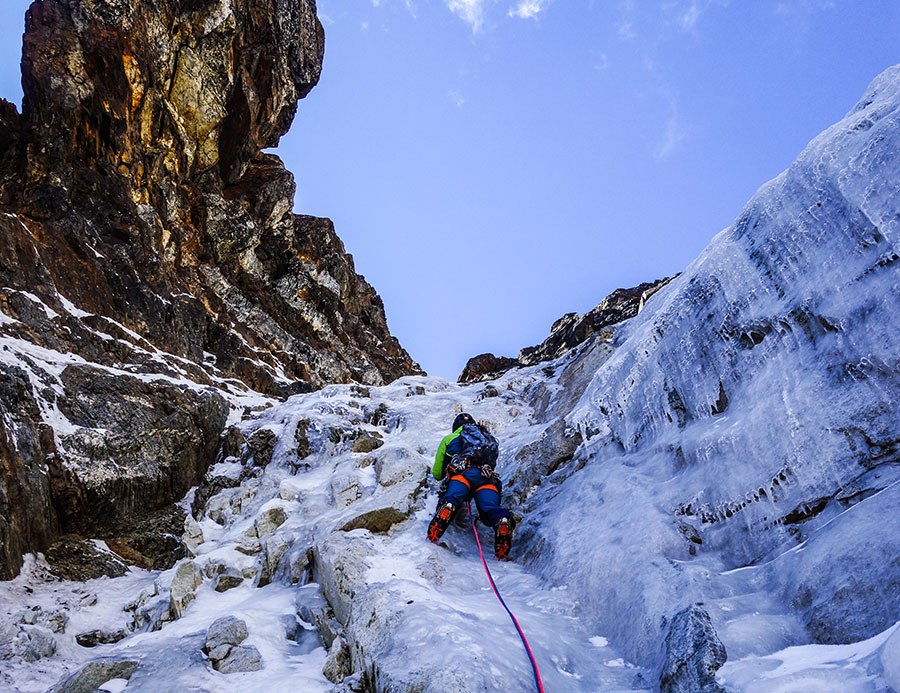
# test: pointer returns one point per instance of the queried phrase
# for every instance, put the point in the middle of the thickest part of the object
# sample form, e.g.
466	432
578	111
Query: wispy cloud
626	31
601	61
456	98
687	19
528	9
470	11
674	132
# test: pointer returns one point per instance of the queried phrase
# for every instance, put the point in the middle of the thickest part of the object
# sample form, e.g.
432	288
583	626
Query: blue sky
494	164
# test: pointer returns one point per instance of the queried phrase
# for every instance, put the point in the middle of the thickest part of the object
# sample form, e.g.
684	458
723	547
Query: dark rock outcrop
573	329
485	367
566	333
149	252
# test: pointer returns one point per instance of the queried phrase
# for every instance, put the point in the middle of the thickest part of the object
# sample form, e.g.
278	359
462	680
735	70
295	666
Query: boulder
93	674
34	642
345	489
228	580
227	630
184	587
273	548
261	445
340	566
239	659
378	520
93	638
193	534
394	465
337	665
367	442
693	654
485	367
270	520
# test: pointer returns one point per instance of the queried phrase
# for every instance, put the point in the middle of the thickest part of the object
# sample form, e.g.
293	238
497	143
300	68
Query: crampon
440	522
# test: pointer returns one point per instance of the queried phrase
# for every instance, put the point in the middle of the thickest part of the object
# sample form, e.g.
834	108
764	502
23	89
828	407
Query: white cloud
673	134
456	98
626	32
688	19
601	62
528	9
470	11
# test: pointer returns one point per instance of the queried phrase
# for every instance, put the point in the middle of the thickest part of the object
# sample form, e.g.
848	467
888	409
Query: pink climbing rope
534	666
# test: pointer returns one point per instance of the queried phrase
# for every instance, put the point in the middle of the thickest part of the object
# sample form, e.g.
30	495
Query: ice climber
465	460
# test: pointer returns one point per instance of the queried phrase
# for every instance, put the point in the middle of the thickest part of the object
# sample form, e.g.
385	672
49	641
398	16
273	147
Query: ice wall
752	407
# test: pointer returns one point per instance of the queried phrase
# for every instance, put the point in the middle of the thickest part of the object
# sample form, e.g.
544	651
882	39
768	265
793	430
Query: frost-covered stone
341	564
269	521
239	659
273	548
96	637
93	674
261	445
193	534
394	465
337	665
227	630
345	489
34	642
228	580
693	654
248	542
367	442
184	586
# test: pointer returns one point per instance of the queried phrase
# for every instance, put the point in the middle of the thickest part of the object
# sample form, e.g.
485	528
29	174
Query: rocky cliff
151	268
567	333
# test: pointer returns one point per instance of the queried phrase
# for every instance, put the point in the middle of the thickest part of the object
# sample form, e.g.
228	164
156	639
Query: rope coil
534	666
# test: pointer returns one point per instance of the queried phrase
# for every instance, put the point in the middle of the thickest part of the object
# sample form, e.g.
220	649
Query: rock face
485	367
148	251
567	333
573	329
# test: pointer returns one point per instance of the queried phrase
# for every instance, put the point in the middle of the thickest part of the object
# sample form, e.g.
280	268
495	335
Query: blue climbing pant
471	484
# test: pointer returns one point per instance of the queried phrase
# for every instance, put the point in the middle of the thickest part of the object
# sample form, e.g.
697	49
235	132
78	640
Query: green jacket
437	471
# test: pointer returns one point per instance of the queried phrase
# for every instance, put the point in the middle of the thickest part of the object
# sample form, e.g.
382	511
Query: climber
466	459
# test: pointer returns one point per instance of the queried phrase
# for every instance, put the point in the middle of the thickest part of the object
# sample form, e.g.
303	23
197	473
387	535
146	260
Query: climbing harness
534	667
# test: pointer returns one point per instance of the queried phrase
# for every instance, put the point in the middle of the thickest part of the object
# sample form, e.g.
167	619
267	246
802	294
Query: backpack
478	446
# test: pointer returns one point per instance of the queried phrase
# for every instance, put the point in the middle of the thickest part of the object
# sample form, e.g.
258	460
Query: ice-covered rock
93	674
239	659
367	442
338	665
184	587
268	521
225	631
193	534
693	654
34	642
